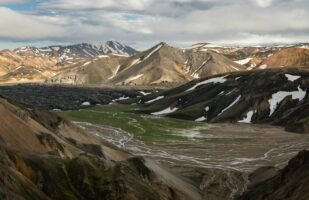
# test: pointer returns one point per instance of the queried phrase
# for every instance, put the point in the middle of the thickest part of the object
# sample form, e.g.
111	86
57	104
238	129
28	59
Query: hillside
278	96
259	57
32	64
290	57
288	183
16	68
94	71
159	65
71	53
46	157
164	63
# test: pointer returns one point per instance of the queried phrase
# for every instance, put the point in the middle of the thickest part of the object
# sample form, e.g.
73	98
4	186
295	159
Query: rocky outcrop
290	183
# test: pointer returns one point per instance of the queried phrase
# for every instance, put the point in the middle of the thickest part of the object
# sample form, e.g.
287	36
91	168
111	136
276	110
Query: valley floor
173	142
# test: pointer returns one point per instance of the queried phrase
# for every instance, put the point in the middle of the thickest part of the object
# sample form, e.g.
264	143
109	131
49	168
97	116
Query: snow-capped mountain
83	50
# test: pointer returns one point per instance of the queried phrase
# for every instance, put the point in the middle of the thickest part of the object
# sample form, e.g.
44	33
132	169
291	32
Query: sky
143	23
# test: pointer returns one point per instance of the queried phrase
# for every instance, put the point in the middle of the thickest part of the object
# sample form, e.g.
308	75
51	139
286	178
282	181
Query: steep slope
72	53
252	56
162	64
237	53
290	183
32	64
278	96
94	71
290	57
43	156
244	52
17	68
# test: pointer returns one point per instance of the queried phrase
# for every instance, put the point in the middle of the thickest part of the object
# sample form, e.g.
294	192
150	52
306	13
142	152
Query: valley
173	142
104	121
154	100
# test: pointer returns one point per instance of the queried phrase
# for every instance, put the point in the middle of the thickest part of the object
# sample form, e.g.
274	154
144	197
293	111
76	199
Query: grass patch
145	127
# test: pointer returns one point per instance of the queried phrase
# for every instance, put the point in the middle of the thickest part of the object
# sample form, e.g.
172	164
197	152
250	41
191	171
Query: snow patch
87	63
292	77
121	98
153	51
115	73
248	117
144	93
279	96
200	119
264	66
243	61
232	104
165	111
134	78
135	62
196	76
212	80
156	99
86	103
103	56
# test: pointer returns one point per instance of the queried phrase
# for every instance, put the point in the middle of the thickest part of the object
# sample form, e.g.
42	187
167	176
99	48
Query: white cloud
96	4
145	22
27	27
263	3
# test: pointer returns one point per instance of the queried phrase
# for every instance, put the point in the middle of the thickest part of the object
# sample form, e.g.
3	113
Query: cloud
263	3
19	27
12	1
96	4
146	22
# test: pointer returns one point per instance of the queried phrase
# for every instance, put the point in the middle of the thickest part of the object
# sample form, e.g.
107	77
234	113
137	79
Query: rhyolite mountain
289	57
275	96
158	65
32	64
15	68
89	50
252	56
114	63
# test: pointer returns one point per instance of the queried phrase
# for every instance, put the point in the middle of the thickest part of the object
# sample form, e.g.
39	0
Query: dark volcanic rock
62	97
265	96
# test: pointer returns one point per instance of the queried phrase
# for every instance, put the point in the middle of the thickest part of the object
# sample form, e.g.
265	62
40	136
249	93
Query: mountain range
114	63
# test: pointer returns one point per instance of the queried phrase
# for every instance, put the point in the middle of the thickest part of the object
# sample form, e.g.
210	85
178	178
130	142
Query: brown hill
17	68
165	64
290	57
90	71
158	65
